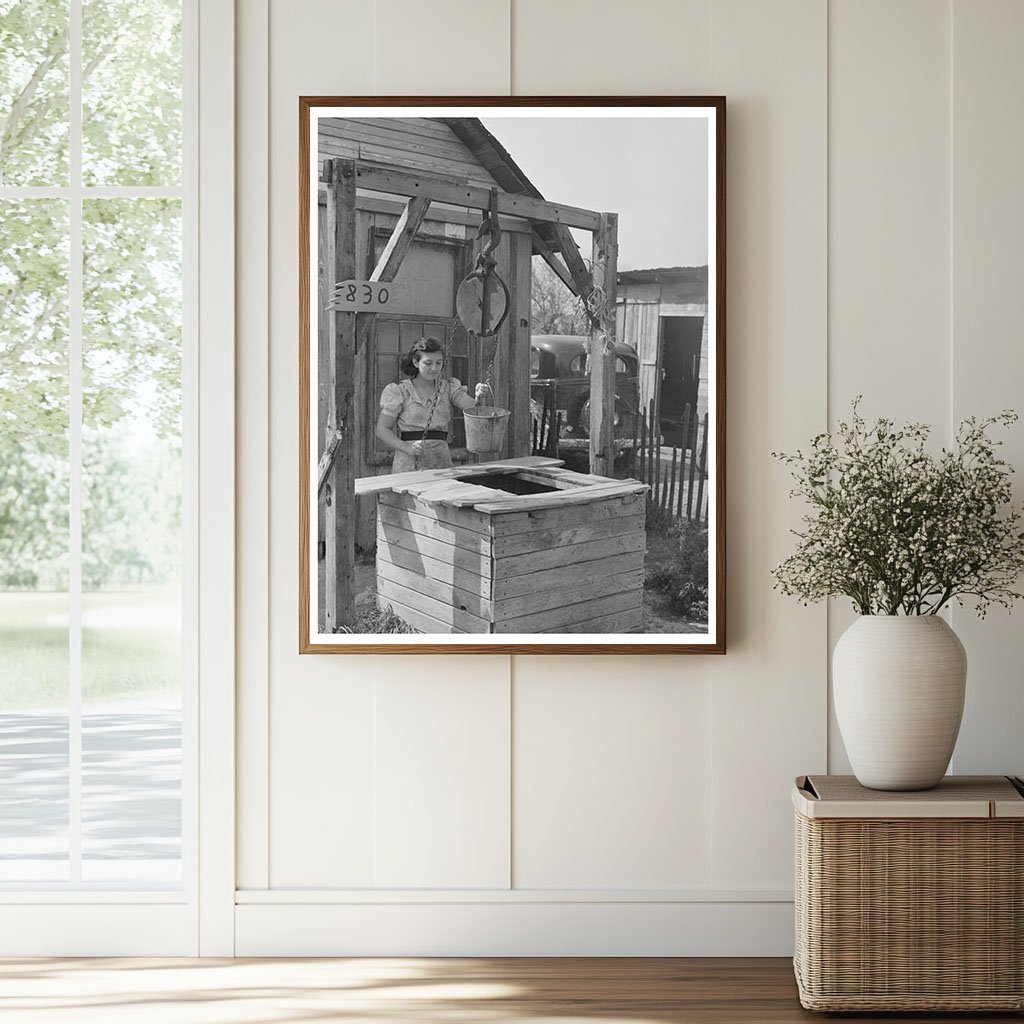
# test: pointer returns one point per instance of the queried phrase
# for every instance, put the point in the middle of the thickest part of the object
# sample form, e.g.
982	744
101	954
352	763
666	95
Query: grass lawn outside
131	647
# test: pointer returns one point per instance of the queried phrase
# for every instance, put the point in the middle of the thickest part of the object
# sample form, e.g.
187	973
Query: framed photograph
512	375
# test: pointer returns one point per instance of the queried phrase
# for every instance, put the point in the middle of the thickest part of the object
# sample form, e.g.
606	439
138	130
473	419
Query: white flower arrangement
899	530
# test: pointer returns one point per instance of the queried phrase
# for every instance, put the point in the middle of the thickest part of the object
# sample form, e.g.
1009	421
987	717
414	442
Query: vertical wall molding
253	389
216	478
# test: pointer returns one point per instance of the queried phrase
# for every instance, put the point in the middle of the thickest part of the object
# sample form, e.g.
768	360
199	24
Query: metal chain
439	386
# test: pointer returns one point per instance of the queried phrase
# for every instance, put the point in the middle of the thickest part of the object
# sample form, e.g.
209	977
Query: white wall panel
769	692
320	811
442	48
612	783
988	331
889	209
442	774
854	266
889	251
323	777
577	47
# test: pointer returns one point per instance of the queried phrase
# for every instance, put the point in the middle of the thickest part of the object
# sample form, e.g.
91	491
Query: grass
130	647
676	566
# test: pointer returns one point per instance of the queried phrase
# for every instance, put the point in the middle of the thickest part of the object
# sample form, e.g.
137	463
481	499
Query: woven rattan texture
960	787
916	914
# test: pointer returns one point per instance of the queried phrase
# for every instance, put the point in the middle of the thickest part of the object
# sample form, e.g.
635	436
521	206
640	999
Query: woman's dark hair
409	360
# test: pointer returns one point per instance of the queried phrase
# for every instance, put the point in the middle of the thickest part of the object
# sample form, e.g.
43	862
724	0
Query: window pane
33	540
33	92
131	92
131	541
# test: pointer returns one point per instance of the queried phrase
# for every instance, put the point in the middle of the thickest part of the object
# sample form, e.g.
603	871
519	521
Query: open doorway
680	373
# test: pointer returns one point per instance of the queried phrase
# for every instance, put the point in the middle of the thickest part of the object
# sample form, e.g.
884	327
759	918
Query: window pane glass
131	92
33	92
33	540
131	541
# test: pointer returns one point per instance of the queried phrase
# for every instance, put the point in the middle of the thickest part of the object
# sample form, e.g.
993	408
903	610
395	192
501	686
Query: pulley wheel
469	302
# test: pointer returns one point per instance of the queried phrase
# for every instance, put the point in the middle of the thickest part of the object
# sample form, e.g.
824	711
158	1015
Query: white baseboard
520	928
99	928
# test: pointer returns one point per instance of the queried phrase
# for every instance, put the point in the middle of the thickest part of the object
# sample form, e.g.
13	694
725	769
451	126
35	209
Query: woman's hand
414	448
483	391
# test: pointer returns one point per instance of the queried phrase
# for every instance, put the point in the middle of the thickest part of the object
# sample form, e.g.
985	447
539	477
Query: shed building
663	313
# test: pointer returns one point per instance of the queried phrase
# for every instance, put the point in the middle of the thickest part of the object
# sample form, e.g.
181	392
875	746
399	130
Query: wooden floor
382	991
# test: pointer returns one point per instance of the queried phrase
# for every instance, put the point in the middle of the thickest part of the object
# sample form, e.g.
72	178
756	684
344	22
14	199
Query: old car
560	381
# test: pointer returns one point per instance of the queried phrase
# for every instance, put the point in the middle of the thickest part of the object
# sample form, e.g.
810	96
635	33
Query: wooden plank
582	278
541	477
339	493
399	183
519	345
570	515
385	157
446	593
426	126
437	216
602	351
693	469
568	616
455	619
461	558
533	583
430	526
574	479
454	493
464	519
555	499
358	130
388	482
443	572
397	245
571	554
630	621
556	597
539	540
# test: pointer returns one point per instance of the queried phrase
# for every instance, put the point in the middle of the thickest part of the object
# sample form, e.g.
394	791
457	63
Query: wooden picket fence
544	435
677	476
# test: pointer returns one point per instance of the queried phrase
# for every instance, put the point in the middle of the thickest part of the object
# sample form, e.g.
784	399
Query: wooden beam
602	351
520	282
401	238
339	489
441	190
391	258
574	261
552	260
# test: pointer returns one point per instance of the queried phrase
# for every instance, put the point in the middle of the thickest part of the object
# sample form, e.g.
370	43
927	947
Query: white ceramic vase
898	684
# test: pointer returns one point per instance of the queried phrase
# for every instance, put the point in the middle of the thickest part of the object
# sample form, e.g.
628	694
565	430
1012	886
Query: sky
651	171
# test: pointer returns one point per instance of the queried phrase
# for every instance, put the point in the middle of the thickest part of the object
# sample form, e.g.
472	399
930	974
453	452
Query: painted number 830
362	296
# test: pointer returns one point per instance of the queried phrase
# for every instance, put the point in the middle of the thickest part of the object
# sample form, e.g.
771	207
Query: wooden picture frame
585	514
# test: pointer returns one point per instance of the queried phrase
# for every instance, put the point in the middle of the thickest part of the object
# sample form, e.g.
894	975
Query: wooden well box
517	546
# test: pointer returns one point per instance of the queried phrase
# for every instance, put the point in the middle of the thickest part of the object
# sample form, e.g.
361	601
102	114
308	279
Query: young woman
405	408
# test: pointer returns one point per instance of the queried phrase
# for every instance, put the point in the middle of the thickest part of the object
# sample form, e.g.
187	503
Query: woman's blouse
403	401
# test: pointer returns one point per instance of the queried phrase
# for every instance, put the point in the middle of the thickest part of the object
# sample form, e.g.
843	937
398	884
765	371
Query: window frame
106	919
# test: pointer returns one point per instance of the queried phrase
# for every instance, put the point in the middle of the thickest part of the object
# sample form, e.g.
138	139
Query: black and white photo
512	375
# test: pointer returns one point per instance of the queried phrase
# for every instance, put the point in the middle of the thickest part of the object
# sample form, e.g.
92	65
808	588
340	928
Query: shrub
378	620
678	563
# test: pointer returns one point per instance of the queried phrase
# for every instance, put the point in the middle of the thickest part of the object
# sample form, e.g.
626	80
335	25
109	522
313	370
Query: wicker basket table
910	901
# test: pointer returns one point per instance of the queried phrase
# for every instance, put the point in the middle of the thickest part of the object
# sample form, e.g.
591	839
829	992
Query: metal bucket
486	427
